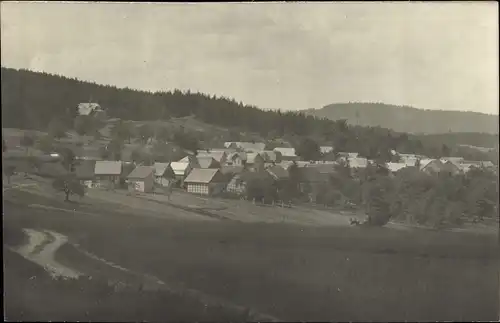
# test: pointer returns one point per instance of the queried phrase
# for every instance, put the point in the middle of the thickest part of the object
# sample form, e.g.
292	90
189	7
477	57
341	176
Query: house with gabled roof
108	174
254	161
253	147
85	172
141	179
219	156
207	181
163	173
208	162
91	109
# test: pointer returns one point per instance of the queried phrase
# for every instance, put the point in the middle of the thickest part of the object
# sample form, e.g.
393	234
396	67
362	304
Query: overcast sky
276	55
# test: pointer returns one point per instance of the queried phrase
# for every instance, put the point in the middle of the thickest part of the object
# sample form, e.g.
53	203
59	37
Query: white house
164	174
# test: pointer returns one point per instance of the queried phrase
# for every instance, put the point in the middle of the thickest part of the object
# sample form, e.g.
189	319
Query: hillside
408	119
34	100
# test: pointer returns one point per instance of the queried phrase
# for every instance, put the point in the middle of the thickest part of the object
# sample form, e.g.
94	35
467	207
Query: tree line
43	101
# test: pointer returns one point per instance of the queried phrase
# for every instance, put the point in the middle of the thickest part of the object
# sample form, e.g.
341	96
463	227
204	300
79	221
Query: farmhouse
205	181
141	179
108	173
163	173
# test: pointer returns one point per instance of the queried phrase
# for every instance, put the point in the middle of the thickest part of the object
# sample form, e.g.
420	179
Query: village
213	171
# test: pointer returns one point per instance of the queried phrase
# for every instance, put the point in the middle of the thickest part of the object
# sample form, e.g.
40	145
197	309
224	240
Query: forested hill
408	119
32	100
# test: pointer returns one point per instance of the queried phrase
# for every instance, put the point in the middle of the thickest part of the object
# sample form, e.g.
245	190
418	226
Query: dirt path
41	248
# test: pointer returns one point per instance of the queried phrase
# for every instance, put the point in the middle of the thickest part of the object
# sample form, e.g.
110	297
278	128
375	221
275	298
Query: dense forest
33	100
409	119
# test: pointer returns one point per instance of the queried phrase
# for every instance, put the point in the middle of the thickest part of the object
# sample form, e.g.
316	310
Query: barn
205	181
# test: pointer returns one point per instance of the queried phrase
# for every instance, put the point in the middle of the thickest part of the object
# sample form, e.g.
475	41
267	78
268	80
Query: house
238	184
394	167
287	153
356	162
313	179
91	109
451	167
141	179
85	172
108	174
236	158
271	156
219	156
208	162
325	149
431	165
181	170
205	181
163	173
254	160
246	146
191	160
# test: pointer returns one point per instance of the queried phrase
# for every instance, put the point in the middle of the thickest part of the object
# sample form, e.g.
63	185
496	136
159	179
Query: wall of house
160	180
198	188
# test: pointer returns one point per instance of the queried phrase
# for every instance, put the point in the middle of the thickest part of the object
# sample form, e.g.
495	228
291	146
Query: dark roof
85	169
278	172
141	172
312	174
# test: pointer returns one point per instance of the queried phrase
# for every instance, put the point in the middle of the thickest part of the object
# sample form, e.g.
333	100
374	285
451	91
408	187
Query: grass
301	273
32	295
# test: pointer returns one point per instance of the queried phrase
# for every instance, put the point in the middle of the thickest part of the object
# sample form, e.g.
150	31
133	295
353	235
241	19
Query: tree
45	144
186	141
82	125
145	132
114	149
68	185
68	159
163	134
56	128
27	141
9	171
104	153
445	150
121	131
308	149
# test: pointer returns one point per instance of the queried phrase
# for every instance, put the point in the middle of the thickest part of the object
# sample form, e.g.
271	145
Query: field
291	270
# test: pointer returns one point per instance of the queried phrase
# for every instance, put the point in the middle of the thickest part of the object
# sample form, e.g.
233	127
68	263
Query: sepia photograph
250	161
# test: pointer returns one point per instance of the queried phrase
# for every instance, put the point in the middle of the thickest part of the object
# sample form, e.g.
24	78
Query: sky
287	56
